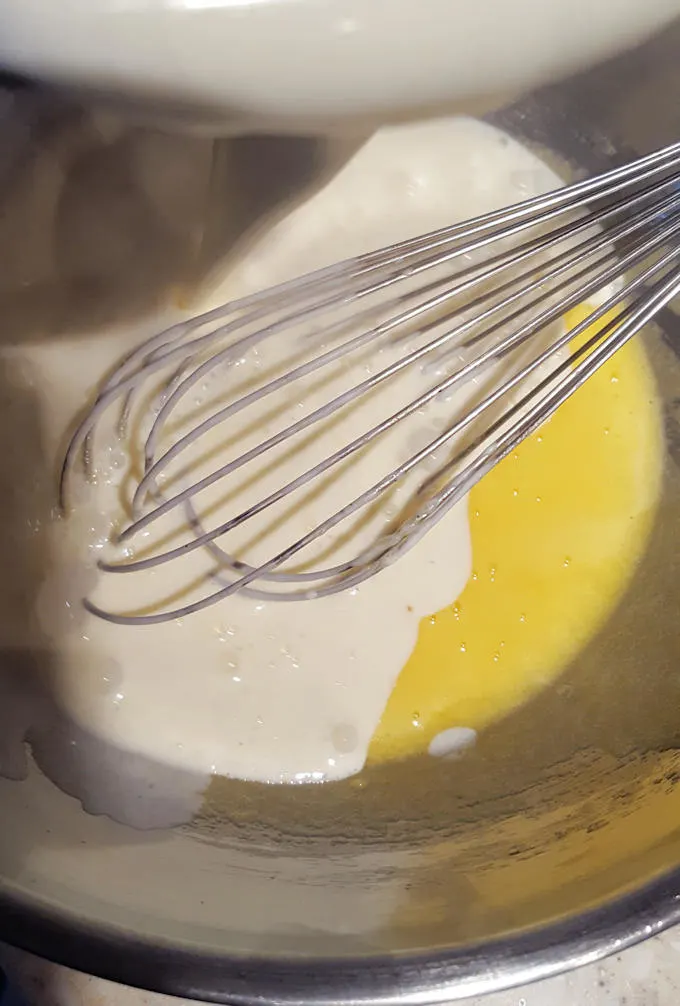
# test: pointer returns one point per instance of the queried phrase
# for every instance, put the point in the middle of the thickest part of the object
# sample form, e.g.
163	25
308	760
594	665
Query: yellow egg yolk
557	530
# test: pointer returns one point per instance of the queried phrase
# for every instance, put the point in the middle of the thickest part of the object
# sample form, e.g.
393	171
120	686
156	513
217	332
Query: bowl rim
418	978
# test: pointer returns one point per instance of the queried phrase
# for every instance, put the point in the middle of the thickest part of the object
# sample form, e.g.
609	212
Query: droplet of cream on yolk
557	530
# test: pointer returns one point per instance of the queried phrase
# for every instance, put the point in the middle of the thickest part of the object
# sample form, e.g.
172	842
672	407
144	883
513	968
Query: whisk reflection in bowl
455	303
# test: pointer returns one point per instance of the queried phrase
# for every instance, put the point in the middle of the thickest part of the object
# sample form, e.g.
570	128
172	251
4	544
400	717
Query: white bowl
301	65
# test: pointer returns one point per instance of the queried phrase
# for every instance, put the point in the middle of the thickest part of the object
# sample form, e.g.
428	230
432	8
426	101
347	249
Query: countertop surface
646	975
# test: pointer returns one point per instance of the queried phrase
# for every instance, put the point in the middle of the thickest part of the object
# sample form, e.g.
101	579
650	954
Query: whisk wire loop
454	304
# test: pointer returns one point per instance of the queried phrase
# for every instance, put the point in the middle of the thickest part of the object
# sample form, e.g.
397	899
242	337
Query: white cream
276	692
451	743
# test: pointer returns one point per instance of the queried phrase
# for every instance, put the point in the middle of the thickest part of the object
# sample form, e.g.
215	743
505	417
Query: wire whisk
477	307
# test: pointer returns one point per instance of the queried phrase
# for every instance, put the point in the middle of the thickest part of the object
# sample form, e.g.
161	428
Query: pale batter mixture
265	691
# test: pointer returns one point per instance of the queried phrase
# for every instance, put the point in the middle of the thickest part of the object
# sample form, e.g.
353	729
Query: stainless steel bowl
556	842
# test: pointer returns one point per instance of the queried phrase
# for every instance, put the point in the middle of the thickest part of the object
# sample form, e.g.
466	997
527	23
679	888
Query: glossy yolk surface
557	530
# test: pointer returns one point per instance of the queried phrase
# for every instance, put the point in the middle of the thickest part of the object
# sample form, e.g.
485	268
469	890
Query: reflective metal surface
556	842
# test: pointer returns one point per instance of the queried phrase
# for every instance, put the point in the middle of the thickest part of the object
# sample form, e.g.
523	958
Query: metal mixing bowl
556	842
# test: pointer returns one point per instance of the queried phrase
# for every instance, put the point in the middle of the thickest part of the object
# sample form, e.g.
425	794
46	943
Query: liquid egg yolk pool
557	530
